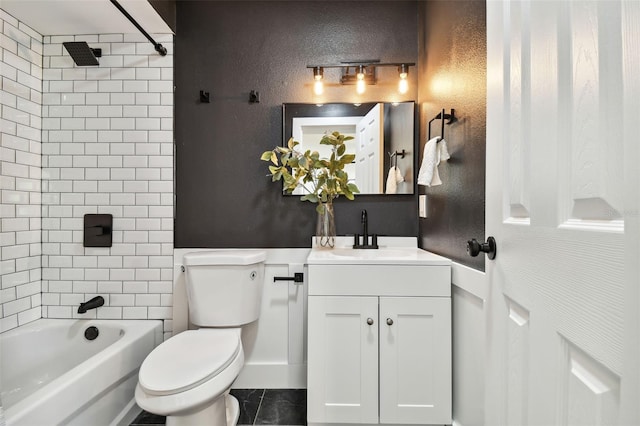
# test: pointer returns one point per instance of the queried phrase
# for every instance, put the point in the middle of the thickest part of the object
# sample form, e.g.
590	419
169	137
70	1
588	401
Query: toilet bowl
188	377
189	372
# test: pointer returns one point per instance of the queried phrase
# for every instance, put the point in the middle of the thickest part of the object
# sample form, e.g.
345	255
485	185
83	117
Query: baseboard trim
272	376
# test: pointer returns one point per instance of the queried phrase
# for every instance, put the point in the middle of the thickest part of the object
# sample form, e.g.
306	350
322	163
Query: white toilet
187	378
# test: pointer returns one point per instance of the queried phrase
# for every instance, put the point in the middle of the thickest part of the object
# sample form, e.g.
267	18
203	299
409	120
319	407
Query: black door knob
474	248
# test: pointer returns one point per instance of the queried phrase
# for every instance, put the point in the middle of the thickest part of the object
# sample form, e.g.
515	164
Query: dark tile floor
257	407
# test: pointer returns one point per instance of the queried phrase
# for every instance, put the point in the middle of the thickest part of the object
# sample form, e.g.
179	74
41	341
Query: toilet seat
187	360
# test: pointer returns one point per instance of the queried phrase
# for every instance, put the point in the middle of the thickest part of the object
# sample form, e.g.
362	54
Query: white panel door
559	122
370	151
415	360
342	378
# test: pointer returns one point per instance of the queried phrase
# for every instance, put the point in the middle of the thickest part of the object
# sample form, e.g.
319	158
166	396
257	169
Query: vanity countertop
391	252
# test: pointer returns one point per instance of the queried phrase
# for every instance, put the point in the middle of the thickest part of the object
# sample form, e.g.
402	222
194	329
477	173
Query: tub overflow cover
91	333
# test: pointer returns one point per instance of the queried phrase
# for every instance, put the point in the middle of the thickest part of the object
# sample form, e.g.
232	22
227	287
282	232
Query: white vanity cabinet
379	342
415	360
342	359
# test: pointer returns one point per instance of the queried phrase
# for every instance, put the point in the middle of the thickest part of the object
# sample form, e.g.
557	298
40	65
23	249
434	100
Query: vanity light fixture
360	73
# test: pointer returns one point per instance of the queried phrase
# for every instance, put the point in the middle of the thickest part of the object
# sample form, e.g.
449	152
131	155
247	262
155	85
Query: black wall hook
254	97
205	98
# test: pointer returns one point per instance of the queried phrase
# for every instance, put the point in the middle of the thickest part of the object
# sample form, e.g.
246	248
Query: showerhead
82	54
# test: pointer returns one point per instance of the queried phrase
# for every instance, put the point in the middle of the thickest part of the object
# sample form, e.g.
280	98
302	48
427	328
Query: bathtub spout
91	304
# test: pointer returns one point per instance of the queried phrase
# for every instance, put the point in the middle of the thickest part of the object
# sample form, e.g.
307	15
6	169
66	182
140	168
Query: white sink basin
380	256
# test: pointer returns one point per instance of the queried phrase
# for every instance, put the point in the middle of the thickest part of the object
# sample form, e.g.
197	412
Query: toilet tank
224	287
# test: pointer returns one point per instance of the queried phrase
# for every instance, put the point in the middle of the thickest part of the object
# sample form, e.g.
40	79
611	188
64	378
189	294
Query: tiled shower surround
20	173
107	147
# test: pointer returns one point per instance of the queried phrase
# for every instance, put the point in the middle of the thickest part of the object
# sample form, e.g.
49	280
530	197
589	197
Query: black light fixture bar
159	47
356	64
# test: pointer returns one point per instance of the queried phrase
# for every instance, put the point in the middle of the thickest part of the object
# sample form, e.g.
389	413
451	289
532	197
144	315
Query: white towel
434	151
393	179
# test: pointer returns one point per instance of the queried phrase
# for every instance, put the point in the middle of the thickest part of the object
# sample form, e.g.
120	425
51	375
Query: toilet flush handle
297	278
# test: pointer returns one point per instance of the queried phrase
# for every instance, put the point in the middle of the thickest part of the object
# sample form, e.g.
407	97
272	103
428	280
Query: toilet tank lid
225	257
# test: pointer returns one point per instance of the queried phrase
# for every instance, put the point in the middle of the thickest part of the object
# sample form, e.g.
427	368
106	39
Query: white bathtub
51	374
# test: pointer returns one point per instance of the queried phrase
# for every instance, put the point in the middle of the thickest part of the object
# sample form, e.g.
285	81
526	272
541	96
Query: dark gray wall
223	197
453	75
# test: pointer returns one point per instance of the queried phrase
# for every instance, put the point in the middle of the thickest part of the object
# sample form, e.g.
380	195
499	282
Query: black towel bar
442	116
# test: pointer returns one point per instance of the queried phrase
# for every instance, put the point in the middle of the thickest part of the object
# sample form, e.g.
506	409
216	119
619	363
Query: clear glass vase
326	226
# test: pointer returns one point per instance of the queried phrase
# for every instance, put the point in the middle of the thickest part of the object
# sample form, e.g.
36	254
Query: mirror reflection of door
369	152
379	129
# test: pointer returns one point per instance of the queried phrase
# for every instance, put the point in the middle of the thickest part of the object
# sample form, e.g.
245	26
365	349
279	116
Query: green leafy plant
323	179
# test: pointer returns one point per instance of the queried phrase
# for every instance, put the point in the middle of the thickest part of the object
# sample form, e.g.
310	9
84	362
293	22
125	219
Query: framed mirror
384	140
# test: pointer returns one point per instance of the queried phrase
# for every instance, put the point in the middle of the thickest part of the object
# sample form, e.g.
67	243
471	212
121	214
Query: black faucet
91	304
365	235
365	224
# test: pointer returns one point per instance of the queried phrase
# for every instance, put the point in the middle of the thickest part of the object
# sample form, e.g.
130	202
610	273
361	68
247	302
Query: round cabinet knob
370	321
389	321
474	248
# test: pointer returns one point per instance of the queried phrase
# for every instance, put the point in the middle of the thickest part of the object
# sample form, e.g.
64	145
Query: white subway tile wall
79	140
108	150
21	75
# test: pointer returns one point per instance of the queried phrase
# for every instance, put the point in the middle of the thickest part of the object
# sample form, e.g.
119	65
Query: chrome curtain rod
159	48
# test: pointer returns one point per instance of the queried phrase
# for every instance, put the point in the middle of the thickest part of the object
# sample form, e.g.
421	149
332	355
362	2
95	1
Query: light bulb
318	87
403	85
361	86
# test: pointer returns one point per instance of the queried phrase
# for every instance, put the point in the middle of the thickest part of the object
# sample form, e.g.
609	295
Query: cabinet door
415	360
342	378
